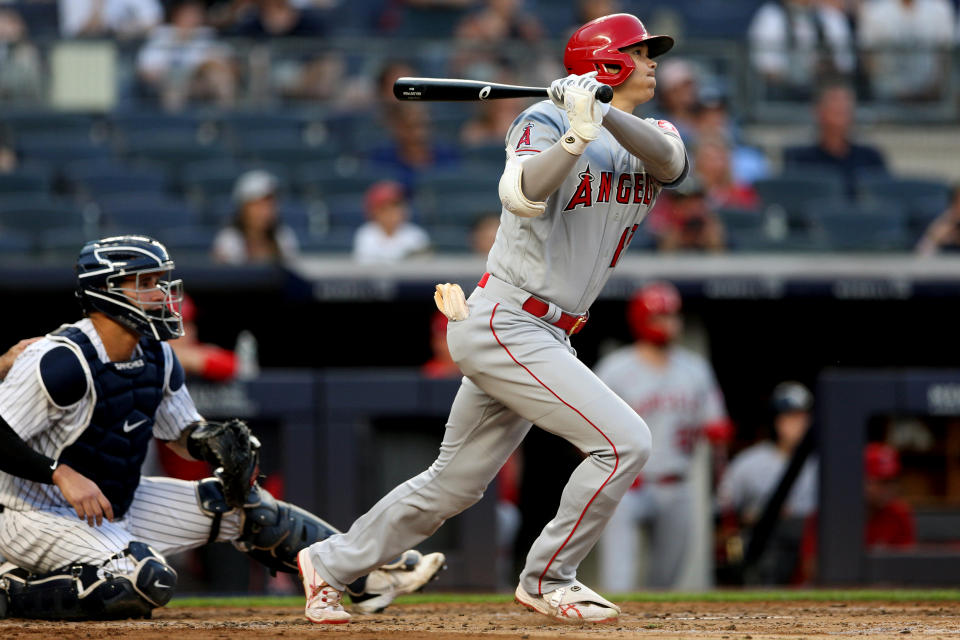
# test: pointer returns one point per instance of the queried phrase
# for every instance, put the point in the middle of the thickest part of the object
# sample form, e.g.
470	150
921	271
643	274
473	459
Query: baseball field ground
720	615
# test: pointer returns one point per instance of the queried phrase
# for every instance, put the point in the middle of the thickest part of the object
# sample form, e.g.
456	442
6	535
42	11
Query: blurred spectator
373	94
201	359
588	10
500	21
943	234
182	61
277	19
104	18
753	476
21	74
906	47
388	235
8	155
677	87
414	147
256	234
890	522
685	221
712	165
483	233
795	42
834	150
748	164
440	364
675	391
492	118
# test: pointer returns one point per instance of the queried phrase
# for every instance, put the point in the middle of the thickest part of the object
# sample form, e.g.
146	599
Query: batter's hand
83	494
583	111
559	87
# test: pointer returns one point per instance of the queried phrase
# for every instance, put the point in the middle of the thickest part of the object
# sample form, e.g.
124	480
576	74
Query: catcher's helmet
656	298
790	396
601	42
101	267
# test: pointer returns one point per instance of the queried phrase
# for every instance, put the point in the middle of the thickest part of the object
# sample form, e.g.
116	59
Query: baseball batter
84	535
579	179
676	392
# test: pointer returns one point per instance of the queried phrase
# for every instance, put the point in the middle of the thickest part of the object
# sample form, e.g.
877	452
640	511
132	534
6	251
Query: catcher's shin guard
273	532
88	592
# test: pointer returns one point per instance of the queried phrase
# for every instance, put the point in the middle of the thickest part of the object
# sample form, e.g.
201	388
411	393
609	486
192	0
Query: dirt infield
448	621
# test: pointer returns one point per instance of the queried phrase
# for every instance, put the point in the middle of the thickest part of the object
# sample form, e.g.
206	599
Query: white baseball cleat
410	574
323	601
573	603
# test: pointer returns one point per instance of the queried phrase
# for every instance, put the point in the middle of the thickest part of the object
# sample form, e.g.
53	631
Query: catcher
83	534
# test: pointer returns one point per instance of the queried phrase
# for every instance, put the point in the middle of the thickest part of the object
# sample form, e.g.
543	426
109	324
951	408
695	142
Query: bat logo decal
485	92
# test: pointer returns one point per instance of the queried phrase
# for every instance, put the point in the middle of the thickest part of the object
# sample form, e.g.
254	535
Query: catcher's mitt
234	452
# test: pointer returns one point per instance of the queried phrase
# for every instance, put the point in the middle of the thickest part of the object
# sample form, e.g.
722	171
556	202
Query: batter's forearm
663	156
545	172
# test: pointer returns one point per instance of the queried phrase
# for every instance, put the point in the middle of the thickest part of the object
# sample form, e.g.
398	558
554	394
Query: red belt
570	323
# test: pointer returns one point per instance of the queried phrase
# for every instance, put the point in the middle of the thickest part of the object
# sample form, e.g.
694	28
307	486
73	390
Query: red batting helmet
600	42
656	298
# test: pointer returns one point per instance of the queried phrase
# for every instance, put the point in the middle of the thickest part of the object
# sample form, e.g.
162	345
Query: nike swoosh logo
160	585
127	428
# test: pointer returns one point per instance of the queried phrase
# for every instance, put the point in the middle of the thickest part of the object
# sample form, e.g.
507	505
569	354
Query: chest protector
112	448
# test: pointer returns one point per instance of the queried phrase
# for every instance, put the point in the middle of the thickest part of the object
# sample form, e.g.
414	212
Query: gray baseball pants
518	370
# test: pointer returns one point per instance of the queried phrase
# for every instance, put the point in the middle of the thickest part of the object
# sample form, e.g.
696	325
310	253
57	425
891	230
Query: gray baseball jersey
40	530
754	473
678	401
521	369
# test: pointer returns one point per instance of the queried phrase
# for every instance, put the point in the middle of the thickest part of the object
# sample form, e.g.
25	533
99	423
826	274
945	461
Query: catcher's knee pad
273	532
89	592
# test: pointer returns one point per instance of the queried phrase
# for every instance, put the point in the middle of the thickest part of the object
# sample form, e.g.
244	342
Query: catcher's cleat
389	581
573	603
323	601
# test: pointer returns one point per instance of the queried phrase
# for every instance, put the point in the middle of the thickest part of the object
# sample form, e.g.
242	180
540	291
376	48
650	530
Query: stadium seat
284	148
38	121
147	212
96	180
344	211
792	192
34	213
462	208
57	150
25	180
449	238
320	180
336	240
908	192
842	225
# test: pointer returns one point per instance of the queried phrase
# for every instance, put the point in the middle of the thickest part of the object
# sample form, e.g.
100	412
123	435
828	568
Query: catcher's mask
601	42
128	279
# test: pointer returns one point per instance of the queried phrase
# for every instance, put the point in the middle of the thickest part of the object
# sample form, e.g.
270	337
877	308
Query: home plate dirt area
451	620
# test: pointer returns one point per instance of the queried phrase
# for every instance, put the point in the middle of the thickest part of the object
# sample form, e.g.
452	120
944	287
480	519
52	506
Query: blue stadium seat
98	179
13	244
845	226
449	238
320	180
38	121
271	148
55	149
33	213
337	240
792	192
190	239
462	208
211	181
145	211
908	192
25	180
345	210
129	124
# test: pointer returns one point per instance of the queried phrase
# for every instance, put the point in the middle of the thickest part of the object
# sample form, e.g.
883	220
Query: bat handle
605	93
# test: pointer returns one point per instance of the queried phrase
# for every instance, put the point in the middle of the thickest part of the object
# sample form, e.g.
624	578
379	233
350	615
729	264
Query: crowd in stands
246	153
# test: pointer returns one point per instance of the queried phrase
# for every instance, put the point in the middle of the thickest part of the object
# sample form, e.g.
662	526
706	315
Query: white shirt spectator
822	29
905	38
229	246
127	18
371	245
164	52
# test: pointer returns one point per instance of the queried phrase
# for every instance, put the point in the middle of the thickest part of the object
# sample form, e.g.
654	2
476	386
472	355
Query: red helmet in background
656	298
881	461
599	42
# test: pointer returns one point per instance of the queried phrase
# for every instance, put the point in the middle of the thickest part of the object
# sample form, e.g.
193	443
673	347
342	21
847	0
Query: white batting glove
583	111
586	81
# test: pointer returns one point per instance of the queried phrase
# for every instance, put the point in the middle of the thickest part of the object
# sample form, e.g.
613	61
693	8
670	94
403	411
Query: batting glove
583	111
586	81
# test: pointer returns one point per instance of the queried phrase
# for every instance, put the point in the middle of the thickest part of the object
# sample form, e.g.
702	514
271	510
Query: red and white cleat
573	603
323	601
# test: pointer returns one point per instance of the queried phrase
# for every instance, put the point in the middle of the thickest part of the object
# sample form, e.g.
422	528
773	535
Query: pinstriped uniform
39	530
520	369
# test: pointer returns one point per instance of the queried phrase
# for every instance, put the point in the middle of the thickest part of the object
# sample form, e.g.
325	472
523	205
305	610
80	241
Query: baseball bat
455	89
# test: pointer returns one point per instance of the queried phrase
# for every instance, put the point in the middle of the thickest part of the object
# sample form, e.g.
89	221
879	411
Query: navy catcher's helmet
102	267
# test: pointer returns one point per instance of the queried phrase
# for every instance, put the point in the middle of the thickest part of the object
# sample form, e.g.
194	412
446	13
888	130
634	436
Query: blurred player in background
754	474
676	392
